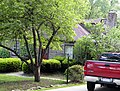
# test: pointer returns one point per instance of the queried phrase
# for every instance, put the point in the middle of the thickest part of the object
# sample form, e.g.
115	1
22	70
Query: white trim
116	81
91	78
95	79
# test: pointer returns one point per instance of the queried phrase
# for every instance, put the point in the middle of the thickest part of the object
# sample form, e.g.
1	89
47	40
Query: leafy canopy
19	17
41	23
100	8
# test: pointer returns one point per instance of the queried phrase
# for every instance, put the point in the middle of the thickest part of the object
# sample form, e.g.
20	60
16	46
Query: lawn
9	83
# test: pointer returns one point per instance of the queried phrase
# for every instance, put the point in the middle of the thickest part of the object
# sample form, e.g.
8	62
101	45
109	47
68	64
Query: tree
89	47
42	23
97	35
83	49
100	8
98	41
112	39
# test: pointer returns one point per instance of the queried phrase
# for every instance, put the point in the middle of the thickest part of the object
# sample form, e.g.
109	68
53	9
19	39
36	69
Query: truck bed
102	69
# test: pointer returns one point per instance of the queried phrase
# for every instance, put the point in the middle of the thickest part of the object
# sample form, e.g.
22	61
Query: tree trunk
37	74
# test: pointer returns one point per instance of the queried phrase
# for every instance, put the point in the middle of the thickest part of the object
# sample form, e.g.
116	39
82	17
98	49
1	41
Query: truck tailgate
104	69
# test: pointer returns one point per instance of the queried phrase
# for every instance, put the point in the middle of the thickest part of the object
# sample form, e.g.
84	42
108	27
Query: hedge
60	58
25	68
50	66
64	62
10	65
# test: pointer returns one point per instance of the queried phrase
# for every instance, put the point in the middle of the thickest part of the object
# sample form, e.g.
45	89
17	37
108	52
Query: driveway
83	88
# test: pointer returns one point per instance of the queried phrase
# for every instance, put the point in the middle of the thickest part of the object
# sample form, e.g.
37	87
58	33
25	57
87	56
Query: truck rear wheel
90	86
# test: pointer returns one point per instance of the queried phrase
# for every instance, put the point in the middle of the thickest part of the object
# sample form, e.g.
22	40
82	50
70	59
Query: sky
118	12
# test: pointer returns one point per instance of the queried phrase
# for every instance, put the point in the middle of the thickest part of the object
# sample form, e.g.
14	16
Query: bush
75	73
10	65
60	58
83	50
4	53
65	64
50	65
25	68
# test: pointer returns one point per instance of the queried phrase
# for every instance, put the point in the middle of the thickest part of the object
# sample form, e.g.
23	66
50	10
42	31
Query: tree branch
40	43
22	59
53	34
39	26
40	48
35	44
28	50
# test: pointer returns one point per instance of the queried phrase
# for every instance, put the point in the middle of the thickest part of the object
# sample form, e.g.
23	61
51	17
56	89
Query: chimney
112	19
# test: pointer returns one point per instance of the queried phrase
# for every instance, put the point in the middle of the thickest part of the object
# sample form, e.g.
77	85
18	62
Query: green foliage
25	68
23	50
60	58
23	15
50	65
75	73
83	49
4	53
40	22
100	8
112	39
91	46
97	36
65	64
10	65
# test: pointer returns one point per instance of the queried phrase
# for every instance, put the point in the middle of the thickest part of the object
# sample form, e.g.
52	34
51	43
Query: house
68	47
81	31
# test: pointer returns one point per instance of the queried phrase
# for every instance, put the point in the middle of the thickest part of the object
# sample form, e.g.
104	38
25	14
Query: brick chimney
112	19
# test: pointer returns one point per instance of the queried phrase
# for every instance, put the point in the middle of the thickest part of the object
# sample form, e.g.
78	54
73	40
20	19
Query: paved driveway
83	88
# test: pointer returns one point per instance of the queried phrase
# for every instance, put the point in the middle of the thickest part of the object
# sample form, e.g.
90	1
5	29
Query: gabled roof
80	31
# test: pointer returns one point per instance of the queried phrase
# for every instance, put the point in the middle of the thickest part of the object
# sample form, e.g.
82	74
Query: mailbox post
67	67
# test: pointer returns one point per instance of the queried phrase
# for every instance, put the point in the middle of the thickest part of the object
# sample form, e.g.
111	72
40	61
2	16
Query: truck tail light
89	65
88	68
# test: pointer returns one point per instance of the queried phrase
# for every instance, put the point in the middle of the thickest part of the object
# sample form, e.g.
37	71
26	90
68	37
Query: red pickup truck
105	71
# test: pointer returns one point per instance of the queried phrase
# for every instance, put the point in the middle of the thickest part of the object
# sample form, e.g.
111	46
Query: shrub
25	68
51	65
60	58
65	64
10	65
4	53
75	73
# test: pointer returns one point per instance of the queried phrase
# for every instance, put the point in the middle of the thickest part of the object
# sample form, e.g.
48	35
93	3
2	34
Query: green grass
9	83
